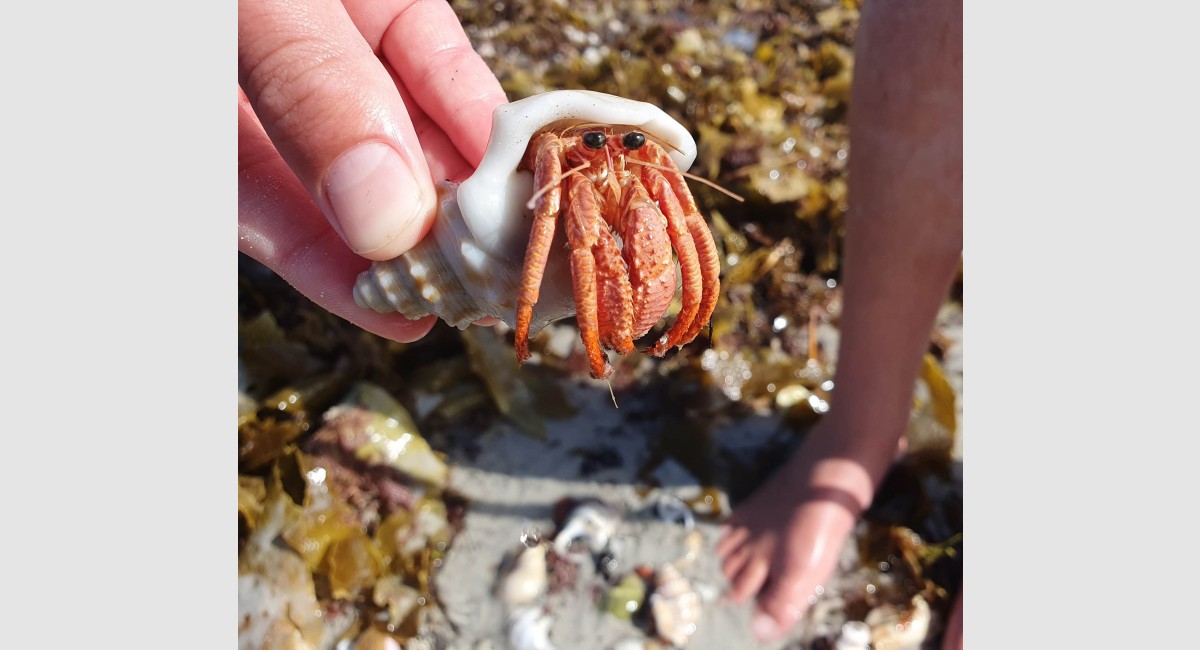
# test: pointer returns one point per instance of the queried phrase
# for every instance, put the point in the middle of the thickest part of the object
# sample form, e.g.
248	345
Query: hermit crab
579	208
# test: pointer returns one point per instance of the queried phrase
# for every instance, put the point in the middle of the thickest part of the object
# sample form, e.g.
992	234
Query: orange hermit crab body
625	207
578	208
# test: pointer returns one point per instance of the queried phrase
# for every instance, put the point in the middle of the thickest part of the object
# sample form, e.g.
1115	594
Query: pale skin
348	112
902	250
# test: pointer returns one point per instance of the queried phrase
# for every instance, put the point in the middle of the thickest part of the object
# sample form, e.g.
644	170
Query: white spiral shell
469	265
526	580
674	606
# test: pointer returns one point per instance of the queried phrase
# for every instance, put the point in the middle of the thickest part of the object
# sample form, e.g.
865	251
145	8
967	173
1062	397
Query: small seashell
893	629
855	635
592	522
374	639
673	510
674	606
469	265
529	629
526	581
631	643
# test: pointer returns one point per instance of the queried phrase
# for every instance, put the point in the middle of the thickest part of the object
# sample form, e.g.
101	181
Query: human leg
903	246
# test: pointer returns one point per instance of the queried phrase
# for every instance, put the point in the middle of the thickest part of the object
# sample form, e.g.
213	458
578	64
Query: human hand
347	113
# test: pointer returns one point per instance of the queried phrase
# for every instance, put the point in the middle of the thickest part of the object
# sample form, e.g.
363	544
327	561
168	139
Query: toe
748	580
764	627
776	615
731	541
784	601
733	564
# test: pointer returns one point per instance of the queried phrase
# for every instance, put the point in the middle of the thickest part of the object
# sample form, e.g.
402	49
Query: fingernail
375	198
764	627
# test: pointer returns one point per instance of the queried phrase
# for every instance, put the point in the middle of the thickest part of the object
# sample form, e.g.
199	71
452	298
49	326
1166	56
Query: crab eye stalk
594	139
633	140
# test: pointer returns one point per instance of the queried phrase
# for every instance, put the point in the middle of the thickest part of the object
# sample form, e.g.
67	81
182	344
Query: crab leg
706	248
594	257
710	265
689	265
644	230
546	169
614	294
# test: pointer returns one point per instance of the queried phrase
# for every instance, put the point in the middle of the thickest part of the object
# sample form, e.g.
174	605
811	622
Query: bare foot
785	540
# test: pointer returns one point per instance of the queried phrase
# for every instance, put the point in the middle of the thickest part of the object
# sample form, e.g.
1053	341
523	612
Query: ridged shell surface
674	606
469	265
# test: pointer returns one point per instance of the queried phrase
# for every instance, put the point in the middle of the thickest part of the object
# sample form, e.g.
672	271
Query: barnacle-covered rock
277	603
377	429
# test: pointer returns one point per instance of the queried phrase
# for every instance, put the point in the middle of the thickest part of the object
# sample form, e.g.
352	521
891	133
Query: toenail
764	627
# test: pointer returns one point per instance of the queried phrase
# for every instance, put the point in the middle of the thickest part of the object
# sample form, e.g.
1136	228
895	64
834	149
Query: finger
333	113
443	158
427	47
281	227
731	540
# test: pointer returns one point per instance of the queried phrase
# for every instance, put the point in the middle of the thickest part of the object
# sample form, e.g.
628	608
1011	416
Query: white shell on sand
893	629
529	629
592	523
526	582
674	605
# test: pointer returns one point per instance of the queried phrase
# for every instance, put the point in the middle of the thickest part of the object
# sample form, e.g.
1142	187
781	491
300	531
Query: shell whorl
469	265
429	278
451	275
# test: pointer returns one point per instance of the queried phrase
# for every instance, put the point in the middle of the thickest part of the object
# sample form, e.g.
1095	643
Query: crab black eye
593	140
633	140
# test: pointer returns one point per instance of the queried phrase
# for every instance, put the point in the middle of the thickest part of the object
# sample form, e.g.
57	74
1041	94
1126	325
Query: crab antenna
584	125
533	199
691	176
664	143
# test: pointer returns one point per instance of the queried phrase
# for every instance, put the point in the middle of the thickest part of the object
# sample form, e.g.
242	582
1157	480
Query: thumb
335	116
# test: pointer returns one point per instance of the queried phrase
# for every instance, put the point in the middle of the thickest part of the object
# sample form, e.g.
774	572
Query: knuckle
299	83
